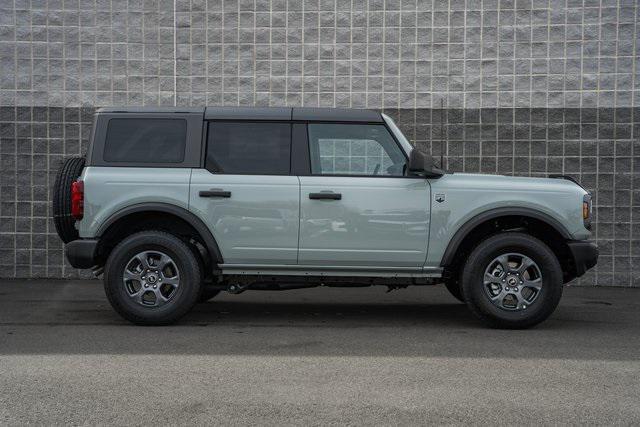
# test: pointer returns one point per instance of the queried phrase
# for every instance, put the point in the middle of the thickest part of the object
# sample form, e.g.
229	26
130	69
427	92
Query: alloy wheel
151	278
512	281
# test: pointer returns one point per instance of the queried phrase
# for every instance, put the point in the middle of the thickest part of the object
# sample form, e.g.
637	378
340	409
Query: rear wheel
152	278
512	280
64	222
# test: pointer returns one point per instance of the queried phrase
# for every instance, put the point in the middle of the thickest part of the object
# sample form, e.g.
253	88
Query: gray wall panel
530	87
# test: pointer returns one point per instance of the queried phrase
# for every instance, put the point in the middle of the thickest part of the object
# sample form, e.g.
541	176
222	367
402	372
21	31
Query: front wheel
152	278
512	280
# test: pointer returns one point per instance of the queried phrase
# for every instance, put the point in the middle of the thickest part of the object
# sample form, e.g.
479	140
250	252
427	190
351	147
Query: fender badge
440	197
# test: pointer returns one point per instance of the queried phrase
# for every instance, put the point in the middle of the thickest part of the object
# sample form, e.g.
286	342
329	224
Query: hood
514	183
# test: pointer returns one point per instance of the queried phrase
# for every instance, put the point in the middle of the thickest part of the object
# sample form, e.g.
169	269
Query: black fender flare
467	227
202	229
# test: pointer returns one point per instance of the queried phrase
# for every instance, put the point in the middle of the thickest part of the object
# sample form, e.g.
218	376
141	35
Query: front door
246	195
357	207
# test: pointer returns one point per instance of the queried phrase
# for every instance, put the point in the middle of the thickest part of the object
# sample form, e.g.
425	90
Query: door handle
325	195
215	192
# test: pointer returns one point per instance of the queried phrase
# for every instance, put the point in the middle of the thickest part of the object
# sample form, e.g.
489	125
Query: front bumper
585	255
81	253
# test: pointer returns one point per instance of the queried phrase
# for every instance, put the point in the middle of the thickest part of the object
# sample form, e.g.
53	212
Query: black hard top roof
295	113
247	113
261	113
144	110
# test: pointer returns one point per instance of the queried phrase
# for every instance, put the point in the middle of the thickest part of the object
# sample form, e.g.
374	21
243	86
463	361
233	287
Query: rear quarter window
142	140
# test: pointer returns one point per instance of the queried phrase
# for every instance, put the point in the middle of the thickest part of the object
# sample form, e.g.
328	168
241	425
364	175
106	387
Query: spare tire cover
64	222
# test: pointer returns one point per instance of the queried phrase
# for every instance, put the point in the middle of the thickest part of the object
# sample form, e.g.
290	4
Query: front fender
470	224
461	201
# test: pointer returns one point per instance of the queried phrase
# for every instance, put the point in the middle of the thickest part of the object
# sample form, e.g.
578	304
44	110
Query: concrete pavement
315	356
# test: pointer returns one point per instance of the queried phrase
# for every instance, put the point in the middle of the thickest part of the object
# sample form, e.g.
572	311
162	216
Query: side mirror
421	164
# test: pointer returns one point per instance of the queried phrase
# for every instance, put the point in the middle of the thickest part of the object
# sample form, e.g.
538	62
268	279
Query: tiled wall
530	87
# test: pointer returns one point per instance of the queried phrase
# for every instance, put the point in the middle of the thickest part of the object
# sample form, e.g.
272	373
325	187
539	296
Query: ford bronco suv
174	205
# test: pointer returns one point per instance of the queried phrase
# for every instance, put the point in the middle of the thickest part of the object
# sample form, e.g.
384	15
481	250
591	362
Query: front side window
354	149
249	148
145	141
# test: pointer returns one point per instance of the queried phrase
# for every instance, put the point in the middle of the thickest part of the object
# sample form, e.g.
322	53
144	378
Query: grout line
634	137
175	56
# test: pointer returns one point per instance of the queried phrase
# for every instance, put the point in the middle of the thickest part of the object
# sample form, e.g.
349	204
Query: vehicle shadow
330	314
314	322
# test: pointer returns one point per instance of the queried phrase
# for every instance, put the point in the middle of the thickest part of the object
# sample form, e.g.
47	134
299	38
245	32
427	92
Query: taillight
77	199
587	211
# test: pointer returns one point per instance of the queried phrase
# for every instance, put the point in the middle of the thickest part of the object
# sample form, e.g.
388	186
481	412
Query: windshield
406	145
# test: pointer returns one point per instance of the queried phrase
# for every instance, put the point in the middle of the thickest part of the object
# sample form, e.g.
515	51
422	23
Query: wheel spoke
498	298
535	284
525	264
163	262
503	260
160	299
522	302
490	278
143	258
130	275
137	296
173	281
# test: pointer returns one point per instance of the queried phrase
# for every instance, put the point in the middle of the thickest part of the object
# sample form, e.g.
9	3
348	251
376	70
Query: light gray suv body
282	198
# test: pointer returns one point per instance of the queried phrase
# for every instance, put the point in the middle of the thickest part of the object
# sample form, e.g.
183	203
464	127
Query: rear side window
249	148
145	140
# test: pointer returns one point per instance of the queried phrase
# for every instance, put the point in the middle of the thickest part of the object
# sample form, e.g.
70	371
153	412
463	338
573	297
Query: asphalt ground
315	357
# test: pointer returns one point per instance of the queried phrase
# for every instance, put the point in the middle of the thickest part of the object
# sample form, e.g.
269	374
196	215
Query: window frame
192	148
307	142
205	145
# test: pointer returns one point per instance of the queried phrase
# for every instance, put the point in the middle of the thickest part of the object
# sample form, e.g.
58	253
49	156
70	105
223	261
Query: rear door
245	193
357	206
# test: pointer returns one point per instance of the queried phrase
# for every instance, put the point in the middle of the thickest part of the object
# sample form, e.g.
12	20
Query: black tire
475	293
64	222
454	288
190	278
208	293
